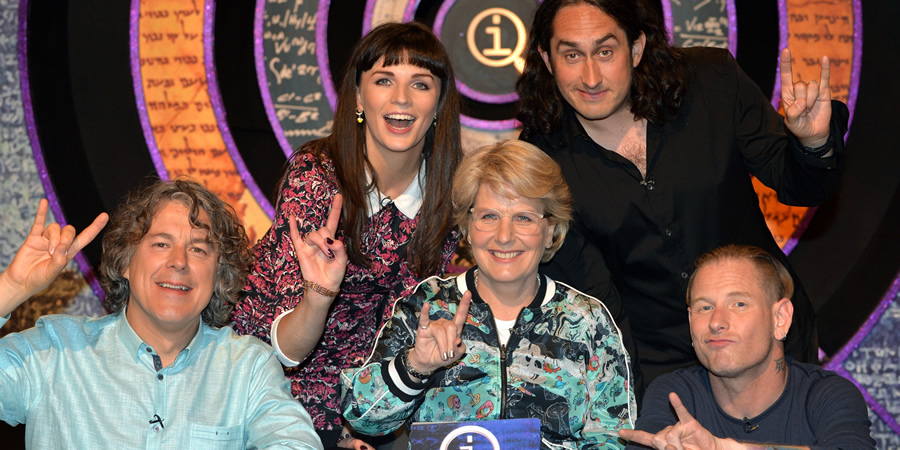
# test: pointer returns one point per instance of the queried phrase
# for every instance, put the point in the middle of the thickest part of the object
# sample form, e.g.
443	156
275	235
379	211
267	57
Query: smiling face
506	254
734	323
171	274
590	59
399	102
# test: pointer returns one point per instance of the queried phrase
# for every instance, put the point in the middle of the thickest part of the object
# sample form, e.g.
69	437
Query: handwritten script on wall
292	71
178	106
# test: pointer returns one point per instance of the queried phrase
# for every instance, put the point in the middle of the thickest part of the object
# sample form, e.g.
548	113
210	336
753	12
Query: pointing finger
787	76
683	415
40	218
424	319
88	234
825	78
334	216
462	312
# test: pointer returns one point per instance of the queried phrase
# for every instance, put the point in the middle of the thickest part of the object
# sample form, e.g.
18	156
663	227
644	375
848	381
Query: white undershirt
503	327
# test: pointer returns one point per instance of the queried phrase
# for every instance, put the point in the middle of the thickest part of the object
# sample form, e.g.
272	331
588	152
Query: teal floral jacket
564	363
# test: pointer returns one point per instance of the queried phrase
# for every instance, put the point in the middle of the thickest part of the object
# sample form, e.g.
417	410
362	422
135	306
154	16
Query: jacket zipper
502	379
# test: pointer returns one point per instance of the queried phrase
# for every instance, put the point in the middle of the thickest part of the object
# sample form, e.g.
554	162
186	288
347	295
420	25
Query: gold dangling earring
359	116
435	121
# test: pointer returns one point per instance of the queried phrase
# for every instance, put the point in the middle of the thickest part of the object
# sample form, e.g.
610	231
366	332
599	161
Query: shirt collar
137	346
408	203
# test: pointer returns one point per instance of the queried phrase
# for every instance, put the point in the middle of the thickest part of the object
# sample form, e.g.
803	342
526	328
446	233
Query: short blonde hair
774	278
513	169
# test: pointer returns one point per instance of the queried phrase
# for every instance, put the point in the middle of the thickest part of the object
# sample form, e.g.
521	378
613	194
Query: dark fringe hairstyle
398	43
658	83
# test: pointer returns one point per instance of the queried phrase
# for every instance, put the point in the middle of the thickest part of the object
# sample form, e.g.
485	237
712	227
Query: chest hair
633	146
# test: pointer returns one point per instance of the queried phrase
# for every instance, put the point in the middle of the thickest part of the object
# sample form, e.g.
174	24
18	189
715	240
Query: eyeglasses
524	223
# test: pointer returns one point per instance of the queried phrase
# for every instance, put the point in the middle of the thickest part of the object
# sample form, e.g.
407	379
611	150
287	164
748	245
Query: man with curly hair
161	371
657	144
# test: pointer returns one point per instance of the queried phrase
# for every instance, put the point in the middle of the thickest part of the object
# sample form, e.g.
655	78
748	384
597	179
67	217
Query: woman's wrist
413	369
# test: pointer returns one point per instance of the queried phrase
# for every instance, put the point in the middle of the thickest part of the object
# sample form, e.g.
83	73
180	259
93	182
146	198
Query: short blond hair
773	276
513	169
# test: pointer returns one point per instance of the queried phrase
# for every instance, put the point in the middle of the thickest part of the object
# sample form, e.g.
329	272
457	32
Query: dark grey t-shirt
818	408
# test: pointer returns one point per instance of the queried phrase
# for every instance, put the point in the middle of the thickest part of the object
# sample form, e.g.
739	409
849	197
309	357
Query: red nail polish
329	241
330	254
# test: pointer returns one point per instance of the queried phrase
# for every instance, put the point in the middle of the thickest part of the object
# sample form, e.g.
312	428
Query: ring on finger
424	327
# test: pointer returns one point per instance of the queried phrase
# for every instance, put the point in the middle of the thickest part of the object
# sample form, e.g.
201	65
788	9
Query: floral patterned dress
366	297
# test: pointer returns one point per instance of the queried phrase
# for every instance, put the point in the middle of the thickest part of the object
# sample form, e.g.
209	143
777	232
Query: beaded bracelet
319	288
820	151
404	359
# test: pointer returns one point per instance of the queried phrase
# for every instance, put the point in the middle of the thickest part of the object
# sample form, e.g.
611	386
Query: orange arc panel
179	109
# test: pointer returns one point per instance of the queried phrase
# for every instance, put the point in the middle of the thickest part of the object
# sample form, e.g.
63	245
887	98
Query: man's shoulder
225	338
817	377
65	325
685	376
709	63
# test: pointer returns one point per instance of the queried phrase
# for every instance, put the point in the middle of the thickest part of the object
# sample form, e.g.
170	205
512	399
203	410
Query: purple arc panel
215	98
479	124
134	44
259	58
367	16
668	20
731	10
410	12
857	61
22	49
322	52
782	43
837	363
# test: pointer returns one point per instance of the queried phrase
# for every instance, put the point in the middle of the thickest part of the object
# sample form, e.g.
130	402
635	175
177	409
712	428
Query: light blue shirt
81	382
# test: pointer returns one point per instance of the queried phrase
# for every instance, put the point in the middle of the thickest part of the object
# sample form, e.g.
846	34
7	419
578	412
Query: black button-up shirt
697	195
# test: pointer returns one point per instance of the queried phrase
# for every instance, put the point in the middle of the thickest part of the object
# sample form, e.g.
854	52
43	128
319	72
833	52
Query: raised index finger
462	311
787	77
334	216
88	234
683	415
824	78
424	318
40	218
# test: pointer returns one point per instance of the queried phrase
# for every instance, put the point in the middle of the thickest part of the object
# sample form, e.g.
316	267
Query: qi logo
498	21
466	434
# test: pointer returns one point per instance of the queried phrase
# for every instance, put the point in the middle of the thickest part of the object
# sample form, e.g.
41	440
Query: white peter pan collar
408	203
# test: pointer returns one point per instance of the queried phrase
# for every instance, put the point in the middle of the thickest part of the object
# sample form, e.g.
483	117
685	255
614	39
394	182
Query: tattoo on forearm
779	365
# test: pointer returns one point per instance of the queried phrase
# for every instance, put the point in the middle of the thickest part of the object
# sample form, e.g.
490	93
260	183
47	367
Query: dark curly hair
132	222
398	43
658	83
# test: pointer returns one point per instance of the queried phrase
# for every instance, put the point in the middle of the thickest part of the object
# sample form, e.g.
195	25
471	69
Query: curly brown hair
132	221
658	83
398	43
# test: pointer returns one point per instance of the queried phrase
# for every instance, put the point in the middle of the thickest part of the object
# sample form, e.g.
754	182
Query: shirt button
160	377
668	231
149	350
684	275
156	429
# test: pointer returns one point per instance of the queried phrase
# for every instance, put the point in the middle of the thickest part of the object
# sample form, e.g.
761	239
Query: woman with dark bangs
362	216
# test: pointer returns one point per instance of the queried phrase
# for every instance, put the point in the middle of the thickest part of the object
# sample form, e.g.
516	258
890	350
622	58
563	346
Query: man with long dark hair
657	144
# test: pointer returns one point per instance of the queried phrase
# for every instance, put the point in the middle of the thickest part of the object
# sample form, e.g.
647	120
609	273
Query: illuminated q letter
513	56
